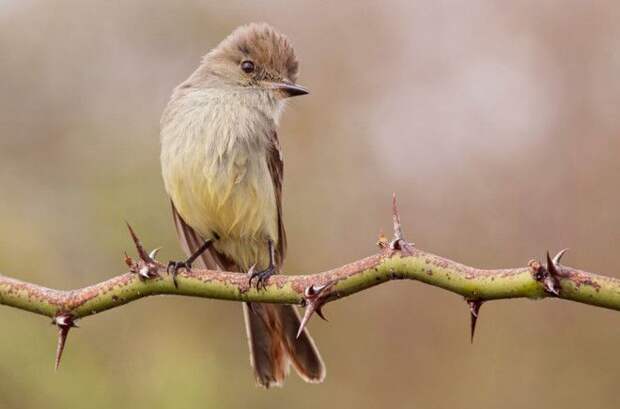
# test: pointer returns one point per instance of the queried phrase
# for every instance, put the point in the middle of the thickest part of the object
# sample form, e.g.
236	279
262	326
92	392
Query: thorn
474	309
550	286
144	272
149	268
144	256
398	231
63	332
314	299
307	314
153	253
548	275
64	322
551	281
399	243
558	257
319	312
551	266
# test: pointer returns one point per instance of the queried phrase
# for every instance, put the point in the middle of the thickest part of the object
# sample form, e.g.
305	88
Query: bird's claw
174	267
261	276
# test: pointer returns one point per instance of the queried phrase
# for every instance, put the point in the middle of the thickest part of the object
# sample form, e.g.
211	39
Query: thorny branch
397	259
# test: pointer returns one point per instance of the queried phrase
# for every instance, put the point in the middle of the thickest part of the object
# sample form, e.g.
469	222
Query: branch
397	260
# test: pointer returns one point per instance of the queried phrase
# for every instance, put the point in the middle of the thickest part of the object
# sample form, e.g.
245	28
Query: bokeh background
497	123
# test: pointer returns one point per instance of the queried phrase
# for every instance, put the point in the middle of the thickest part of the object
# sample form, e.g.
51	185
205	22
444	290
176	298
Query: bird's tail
272	337
271	328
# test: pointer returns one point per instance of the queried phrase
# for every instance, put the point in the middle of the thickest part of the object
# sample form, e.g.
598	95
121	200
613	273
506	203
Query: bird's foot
174	267
261	276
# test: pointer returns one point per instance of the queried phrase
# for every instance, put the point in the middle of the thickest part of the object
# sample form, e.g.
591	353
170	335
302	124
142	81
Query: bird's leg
175	266
263	276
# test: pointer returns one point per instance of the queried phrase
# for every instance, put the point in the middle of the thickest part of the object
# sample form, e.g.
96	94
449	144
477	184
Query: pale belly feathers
215	171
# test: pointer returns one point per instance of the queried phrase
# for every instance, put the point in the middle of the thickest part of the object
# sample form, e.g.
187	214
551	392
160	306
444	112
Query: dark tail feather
272	331
267	354
302	351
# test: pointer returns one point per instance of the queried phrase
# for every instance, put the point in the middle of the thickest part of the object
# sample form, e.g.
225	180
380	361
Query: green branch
397	260
471	283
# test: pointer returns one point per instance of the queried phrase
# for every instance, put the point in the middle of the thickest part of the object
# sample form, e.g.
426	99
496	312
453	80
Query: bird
222	167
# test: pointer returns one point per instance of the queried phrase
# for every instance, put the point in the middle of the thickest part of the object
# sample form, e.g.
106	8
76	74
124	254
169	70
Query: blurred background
497	123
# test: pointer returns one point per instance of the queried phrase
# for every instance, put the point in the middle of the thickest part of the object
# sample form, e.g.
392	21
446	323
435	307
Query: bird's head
255	56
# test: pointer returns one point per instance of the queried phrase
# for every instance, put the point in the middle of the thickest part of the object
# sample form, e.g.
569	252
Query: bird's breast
215	170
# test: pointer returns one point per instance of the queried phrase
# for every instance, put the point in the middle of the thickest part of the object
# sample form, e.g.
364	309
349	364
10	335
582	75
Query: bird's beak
290	89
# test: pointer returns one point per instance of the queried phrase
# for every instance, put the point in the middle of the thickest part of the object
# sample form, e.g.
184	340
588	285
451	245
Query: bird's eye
247	66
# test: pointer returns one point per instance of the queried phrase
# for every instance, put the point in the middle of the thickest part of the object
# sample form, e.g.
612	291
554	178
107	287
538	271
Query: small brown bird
222	167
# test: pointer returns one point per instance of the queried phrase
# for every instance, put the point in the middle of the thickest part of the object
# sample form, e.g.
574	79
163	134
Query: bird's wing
276	169
191	241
